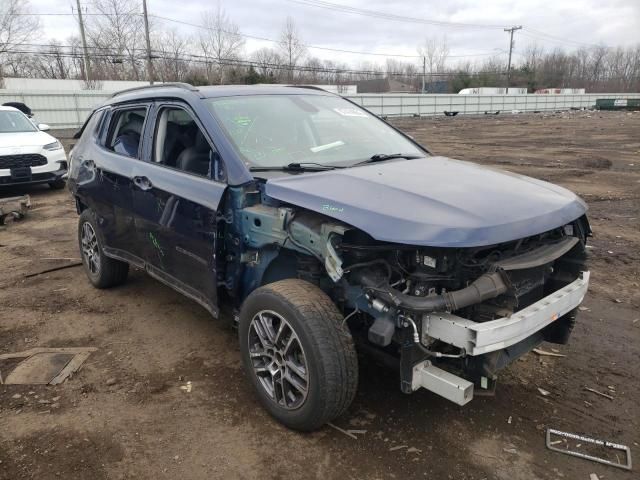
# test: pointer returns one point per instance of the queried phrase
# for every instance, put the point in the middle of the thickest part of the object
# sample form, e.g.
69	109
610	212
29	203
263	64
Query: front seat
128	140
195	159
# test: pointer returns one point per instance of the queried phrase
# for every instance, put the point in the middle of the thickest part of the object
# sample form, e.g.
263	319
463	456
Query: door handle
143	183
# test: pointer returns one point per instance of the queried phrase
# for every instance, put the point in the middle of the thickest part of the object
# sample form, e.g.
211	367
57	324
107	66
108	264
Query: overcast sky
573	22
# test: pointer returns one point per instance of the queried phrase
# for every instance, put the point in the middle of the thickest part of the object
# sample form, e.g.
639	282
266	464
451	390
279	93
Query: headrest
134	124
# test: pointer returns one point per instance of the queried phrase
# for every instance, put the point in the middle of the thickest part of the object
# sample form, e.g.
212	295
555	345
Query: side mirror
44	127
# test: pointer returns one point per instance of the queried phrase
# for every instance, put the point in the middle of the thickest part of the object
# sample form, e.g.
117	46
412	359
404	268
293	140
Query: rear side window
95	125
125	131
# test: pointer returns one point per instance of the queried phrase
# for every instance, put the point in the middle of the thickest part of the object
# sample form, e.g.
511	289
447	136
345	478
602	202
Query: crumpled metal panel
435	201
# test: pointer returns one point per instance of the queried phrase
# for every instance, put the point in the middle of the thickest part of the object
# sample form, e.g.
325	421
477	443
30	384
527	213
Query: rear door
176	201
105	166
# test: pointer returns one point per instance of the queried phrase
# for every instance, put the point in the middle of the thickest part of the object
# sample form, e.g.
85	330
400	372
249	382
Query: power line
531	32
271	40
390	16
537	34
340	50
234	62
200	59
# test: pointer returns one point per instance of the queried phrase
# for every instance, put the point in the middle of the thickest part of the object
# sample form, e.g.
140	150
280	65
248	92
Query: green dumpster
618	103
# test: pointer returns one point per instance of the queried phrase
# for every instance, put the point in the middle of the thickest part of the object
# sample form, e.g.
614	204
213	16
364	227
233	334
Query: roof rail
309	87
185	86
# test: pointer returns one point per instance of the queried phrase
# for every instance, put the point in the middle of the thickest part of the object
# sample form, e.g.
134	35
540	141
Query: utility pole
85	56
510	30
424	71
146	32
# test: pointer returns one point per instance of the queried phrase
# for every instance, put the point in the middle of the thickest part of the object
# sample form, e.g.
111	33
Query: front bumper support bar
480	338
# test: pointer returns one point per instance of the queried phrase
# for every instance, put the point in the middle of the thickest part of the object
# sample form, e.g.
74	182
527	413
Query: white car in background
28	155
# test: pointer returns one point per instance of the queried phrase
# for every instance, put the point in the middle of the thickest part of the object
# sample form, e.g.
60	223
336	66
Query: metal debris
346	432
544	353
398	447
53	269
543	392
14	207
42	366
594	441
598	393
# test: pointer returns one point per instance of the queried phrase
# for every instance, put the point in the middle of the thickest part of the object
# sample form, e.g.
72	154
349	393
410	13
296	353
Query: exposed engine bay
415	306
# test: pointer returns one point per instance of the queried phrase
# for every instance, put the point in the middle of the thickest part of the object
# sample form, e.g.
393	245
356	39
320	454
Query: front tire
298	353
102	271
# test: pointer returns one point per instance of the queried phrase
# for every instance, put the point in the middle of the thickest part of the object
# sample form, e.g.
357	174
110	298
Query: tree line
217	54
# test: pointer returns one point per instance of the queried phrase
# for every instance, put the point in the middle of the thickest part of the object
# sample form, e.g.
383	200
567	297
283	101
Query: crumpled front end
449	318
455	317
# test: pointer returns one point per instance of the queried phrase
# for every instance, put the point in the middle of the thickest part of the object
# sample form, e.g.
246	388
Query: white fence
390	105
58	109
70	109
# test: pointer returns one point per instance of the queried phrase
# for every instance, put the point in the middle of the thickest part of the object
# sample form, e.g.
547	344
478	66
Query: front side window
125	131
12	121
179	143
275	130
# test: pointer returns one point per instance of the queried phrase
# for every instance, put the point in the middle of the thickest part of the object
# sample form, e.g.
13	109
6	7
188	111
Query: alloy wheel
90	249
278	359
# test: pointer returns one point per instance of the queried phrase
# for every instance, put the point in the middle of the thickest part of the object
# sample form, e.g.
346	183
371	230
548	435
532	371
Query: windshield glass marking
277	130
320	148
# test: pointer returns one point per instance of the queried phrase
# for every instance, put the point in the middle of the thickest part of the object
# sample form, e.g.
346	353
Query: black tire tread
112	272
333	340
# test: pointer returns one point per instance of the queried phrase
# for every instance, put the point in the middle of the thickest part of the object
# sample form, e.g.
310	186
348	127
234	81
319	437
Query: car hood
435	201
24	139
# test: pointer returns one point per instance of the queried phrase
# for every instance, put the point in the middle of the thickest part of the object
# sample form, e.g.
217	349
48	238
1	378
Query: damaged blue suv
327	233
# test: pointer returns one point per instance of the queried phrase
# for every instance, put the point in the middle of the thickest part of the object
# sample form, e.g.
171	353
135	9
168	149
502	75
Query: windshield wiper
381	157
297	167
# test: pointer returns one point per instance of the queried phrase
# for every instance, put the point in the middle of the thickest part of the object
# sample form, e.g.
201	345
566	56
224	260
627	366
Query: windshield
276	130
15	122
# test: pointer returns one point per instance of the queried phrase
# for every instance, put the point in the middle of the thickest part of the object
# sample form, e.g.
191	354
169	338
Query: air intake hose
485	287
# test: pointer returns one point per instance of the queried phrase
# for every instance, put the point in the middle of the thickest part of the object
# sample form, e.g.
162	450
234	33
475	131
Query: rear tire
102	271
57	184
298	353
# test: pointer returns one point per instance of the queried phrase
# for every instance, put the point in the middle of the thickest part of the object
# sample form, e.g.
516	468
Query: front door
176	203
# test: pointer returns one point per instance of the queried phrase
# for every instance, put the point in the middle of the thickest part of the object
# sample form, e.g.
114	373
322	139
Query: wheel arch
274	263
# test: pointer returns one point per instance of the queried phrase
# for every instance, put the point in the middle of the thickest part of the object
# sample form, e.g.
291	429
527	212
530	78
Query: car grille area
22	160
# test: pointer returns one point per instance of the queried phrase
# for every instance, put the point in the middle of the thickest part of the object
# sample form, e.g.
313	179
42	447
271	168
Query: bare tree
291	47
221	43
596	63
434	52
268	62
53	63
116	40
171	51
16	27
313	70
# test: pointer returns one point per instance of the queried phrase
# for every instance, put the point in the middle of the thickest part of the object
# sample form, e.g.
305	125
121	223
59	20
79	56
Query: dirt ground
124	416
